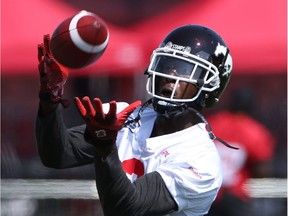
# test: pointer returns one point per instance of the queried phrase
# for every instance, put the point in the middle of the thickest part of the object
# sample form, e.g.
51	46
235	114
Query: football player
149	160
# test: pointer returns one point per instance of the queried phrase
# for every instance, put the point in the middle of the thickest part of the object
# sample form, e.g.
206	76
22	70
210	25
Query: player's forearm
118	196
46	107
59	147
50	141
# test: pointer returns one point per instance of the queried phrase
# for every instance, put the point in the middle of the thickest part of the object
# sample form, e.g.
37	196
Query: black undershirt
60	148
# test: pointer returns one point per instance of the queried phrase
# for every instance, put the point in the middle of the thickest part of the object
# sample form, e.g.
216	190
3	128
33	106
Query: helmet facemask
180	66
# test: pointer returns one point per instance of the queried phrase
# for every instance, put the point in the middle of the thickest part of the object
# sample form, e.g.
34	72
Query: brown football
79	40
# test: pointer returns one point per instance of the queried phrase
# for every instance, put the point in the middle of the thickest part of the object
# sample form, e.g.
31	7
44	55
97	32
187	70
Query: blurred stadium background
256	32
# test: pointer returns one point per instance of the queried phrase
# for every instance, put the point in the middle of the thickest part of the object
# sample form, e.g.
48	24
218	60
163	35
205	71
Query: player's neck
165	125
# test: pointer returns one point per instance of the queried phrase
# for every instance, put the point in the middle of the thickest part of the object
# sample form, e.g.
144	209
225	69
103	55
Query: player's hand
53	76
102	128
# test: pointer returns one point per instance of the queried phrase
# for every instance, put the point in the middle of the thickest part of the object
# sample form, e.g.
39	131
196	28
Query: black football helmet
200	56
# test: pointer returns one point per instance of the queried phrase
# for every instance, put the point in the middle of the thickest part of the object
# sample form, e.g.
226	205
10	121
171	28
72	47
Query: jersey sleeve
60	147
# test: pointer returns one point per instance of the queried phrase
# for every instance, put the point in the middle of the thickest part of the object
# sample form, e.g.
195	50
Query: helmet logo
220	49
228	66
185	49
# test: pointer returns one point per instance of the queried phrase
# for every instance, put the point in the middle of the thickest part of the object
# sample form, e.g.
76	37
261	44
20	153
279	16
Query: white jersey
187	160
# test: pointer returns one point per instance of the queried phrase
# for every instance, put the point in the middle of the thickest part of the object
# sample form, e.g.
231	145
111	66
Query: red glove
102	127
52	75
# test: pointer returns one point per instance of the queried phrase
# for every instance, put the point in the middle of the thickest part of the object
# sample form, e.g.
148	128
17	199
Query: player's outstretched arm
101	128
148	195
57	146
53	77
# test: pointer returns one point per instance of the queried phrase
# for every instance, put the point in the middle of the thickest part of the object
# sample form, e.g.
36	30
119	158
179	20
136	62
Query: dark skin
184	90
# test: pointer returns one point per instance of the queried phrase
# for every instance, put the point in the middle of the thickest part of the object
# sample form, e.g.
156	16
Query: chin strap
133	123
209	129
167	109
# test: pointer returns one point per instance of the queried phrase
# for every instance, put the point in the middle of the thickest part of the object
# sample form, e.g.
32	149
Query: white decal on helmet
228	66
220	49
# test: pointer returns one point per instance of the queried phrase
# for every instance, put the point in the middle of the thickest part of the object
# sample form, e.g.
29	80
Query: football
79	40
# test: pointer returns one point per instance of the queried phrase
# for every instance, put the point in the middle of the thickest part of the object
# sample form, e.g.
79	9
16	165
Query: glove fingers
47	45
112	111
99	109
89	107
40	52
80	107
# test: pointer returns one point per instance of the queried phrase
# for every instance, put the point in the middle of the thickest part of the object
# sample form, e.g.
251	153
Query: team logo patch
100	133
165	153
133	166
222	50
